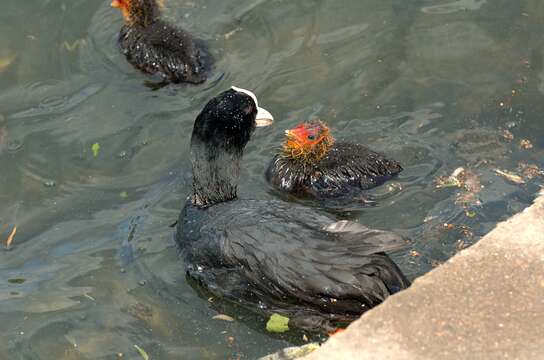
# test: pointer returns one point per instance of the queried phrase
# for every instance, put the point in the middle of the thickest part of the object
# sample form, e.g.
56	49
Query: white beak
264	117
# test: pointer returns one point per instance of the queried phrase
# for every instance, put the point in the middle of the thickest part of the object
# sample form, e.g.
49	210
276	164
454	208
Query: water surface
93	269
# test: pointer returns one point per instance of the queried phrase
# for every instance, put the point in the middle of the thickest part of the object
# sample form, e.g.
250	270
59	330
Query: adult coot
312	164
269	255
155	47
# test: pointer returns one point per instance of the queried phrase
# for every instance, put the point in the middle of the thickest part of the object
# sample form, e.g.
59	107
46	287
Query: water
93	269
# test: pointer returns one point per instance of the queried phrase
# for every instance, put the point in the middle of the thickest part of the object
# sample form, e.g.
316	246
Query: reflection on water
93	270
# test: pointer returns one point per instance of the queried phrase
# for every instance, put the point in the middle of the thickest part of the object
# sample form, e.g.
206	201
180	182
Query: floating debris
449	226
123	154
10	237
530	171
223	317
510	176
17	281
526	172
525	144
89	297
450	181
507	135
471	182
231	33
394	186
415	253
466	231
95	149
277	324
460	245
142	352
293	352
466	179
49	183
429	218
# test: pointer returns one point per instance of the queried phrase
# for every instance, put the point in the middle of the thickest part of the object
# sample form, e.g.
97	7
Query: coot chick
312	164
155	47
270	255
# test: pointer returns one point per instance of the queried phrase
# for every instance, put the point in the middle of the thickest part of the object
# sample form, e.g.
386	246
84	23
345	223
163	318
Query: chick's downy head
141	12
308	142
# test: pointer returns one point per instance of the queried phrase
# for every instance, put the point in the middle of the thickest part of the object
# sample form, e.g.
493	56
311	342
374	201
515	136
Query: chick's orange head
120	4
124	6
142	12
309	141
308	133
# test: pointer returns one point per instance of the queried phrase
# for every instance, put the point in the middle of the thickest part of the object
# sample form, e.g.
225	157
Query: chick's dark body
346	169
280	257
159	48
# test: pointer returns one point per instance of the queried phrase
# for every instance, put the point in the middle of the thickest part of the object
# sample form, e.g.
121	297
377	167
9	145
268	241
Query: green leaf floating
142	352
277	324
95	148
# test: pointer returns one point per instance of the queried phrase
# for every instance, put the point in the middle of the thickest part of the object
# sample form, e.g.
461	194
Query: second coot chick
268	255
156	47
311	163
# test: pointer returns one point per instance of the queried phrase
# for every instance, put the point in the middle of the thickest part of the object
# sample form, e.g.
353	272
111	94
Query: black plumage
346	169
156	47
273	256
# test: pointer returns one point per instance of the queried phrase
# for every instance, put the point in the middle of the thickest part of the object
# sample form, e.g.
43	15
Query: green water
93	270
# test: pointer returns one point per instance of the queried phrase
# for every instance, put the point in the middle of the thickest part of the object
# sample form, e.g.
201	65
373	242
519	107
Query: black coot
312	164
156	47
274	256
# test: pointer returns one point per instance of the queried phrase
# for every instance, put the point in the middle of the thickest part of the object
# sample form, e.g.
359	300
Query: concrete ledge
487	302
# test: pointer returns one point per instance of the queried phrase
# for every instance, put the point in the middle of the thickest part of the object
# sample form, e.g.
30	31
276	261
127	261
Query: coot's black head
139	12
220	133
228	120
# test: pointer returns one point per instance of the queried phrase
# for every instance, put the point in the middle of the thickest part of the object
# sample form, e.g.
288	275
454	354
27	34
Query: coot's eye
248	110
311	137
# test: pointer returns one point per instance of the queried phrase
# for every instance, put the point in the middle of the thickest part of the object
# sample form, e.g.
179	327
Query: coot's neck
215	173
